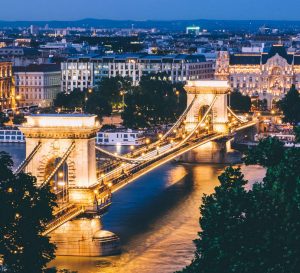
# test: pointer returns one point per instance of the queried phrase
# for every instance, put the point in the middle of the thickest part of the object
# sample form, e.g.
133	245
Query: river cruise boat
113	137
11	135
120	137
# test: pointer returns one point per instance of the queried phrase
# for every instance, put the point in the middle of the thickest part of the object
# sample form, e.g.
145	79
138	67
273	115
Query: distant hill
234	25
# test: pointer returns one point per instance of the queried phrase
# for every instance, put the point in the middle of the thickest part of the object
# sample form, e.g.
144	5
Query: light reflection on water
157	218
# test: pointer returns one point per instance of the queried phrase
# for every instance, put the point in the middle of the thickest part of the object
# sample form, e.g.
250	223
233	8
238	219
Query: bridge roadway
129	172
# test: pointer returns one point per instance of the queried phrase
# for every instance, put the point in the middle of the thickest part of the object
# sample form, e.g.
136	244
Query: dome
105	235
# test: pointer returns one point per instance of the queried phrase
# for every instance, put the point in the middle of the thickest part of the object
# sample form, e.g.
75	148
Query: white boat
11	135
119	137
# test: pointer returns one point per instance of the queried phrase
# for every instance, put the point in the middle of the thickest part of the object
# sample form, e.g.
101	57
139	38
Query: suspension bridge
61	151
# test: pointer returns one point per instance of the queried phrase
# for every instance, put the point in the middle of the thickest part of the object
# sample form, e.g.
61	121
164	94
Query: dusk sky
152	9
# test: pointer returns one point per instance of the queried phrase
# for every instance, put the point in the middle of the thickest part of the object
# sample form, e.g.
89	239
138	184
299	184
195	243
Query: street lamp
62	184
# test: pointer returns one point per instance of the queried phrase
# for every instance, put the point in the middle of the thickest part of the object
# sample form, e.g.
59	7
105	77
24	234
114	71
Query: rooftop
63	121
257	59
37	68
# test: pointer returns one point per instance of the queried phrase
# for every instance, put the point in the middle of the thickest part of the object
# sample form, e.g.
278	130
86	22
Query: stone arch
48	159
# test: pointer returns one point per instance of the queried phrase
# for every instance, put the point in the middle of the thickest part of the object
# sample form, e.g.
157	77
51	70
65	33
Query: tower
208	92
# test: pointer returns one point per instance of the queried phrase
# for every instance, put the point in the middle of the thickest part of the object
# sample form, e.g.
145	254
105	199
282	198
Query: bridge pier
213	152
84	237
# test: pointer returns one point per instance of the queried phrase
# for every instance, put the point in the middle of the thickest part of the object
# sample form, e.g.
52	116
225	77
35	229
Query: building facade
37	84
268	75
7	90
85	72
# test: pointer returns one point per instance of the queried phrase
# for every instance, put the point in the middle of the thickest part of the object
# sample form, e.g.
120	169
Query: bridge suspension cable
200	122
26	161
174	127
61	162
179	121
235	115
119	156
136	160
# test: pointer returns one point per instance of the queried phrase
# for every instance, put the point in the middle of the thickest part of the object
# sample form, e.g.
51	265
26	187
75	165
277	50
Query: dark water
157	219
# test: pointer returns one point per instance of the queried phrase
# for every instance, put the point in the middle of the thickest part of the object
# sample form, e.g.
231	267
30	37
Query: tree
255	230
25	211
240	102
3	119
19	119
98	105
290	106
155	101
297	133
70	100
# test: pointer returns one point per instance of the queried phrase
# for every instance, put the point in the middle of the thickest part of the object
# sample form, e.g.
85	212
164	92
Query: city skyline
34	10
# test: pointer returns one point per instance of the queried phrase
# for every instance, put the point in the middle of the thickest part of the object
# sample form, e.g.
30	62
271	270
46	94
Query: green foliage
19	119
155	101
255	230
25	210
240	102
268	152
3	119
297	133
290	105
70	100
98	104
261	105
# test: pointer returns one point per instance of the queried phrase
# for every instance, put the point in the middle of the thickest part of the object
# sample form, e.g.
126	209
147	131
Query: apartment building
7	91
37	84
85	72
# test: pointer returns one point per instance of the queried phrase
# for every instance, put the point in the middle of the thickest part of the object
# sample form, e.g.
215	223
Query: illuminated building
7	90
86	72
194	30
37	84
268	76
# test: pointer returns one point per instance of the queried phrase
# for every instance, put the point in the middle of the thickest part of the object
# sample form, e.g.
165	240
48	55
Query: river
157	218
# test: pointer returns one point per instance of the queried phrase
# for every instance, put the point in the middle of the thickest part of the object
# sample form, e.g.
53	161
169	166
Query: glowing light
109	184
147	141
95	191
60	174
61	183
10	190
160	135
272	112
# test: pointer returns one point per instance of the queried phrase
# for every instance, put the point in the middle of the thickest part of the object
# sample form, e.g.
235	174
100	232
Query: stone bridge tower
62	147
207	92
